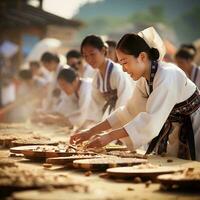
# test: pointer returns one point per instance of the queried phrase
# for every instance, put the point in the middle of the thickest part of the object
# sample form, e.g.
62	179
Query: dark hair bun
154	54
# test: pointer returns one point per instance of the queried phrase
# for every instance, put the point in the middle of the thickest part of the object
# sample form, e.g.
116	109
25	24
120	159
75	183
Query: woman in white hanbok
164	109
111	87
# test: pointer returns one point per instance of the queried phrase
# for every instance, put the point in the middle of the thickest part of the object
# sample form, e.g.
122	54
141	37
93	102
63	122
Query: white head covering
152	38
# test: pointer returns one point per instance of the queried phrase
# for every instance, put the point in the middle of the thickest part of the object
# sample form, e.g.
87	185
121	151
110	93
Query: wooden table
119	189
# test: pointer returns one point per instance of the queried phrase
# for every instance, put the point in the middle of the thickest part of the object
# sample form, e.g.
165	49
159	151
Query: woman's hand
87	134
99	141
48	119
80	137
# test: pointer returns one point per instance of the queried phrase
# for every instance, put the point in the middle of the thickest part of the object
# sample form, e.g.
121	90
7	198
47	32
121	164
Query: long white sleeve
146	125
135	105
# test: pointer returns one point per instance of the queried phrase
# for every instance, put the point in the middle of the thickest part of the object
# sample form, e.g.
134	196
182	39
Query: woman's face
75	63
93	56
135	67
183	63
68	88
50	66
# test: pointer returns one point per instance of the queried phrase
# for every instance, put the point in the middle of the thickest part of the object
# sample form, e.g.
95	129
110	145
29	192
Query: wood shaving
137	180
88	173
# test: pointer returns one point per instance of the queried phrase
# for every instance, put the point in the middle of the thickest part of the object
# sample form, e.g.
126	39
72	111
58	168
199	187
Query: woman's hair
186	52
67	74
48	57
94	41
111	43
25	74
73	54
133	44
35	64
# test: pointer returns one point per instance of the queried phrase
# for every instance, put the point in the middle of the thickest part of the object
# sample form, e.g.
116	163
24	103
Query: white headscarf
152	38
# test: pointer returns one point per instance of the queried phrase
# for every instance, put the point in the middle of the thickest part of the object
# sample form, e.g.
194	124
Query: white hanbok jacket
76	108
119	81
144	115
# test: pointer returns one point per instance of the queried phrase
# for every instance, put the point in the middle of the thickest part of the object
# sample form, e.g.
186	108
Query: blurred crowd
79	93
